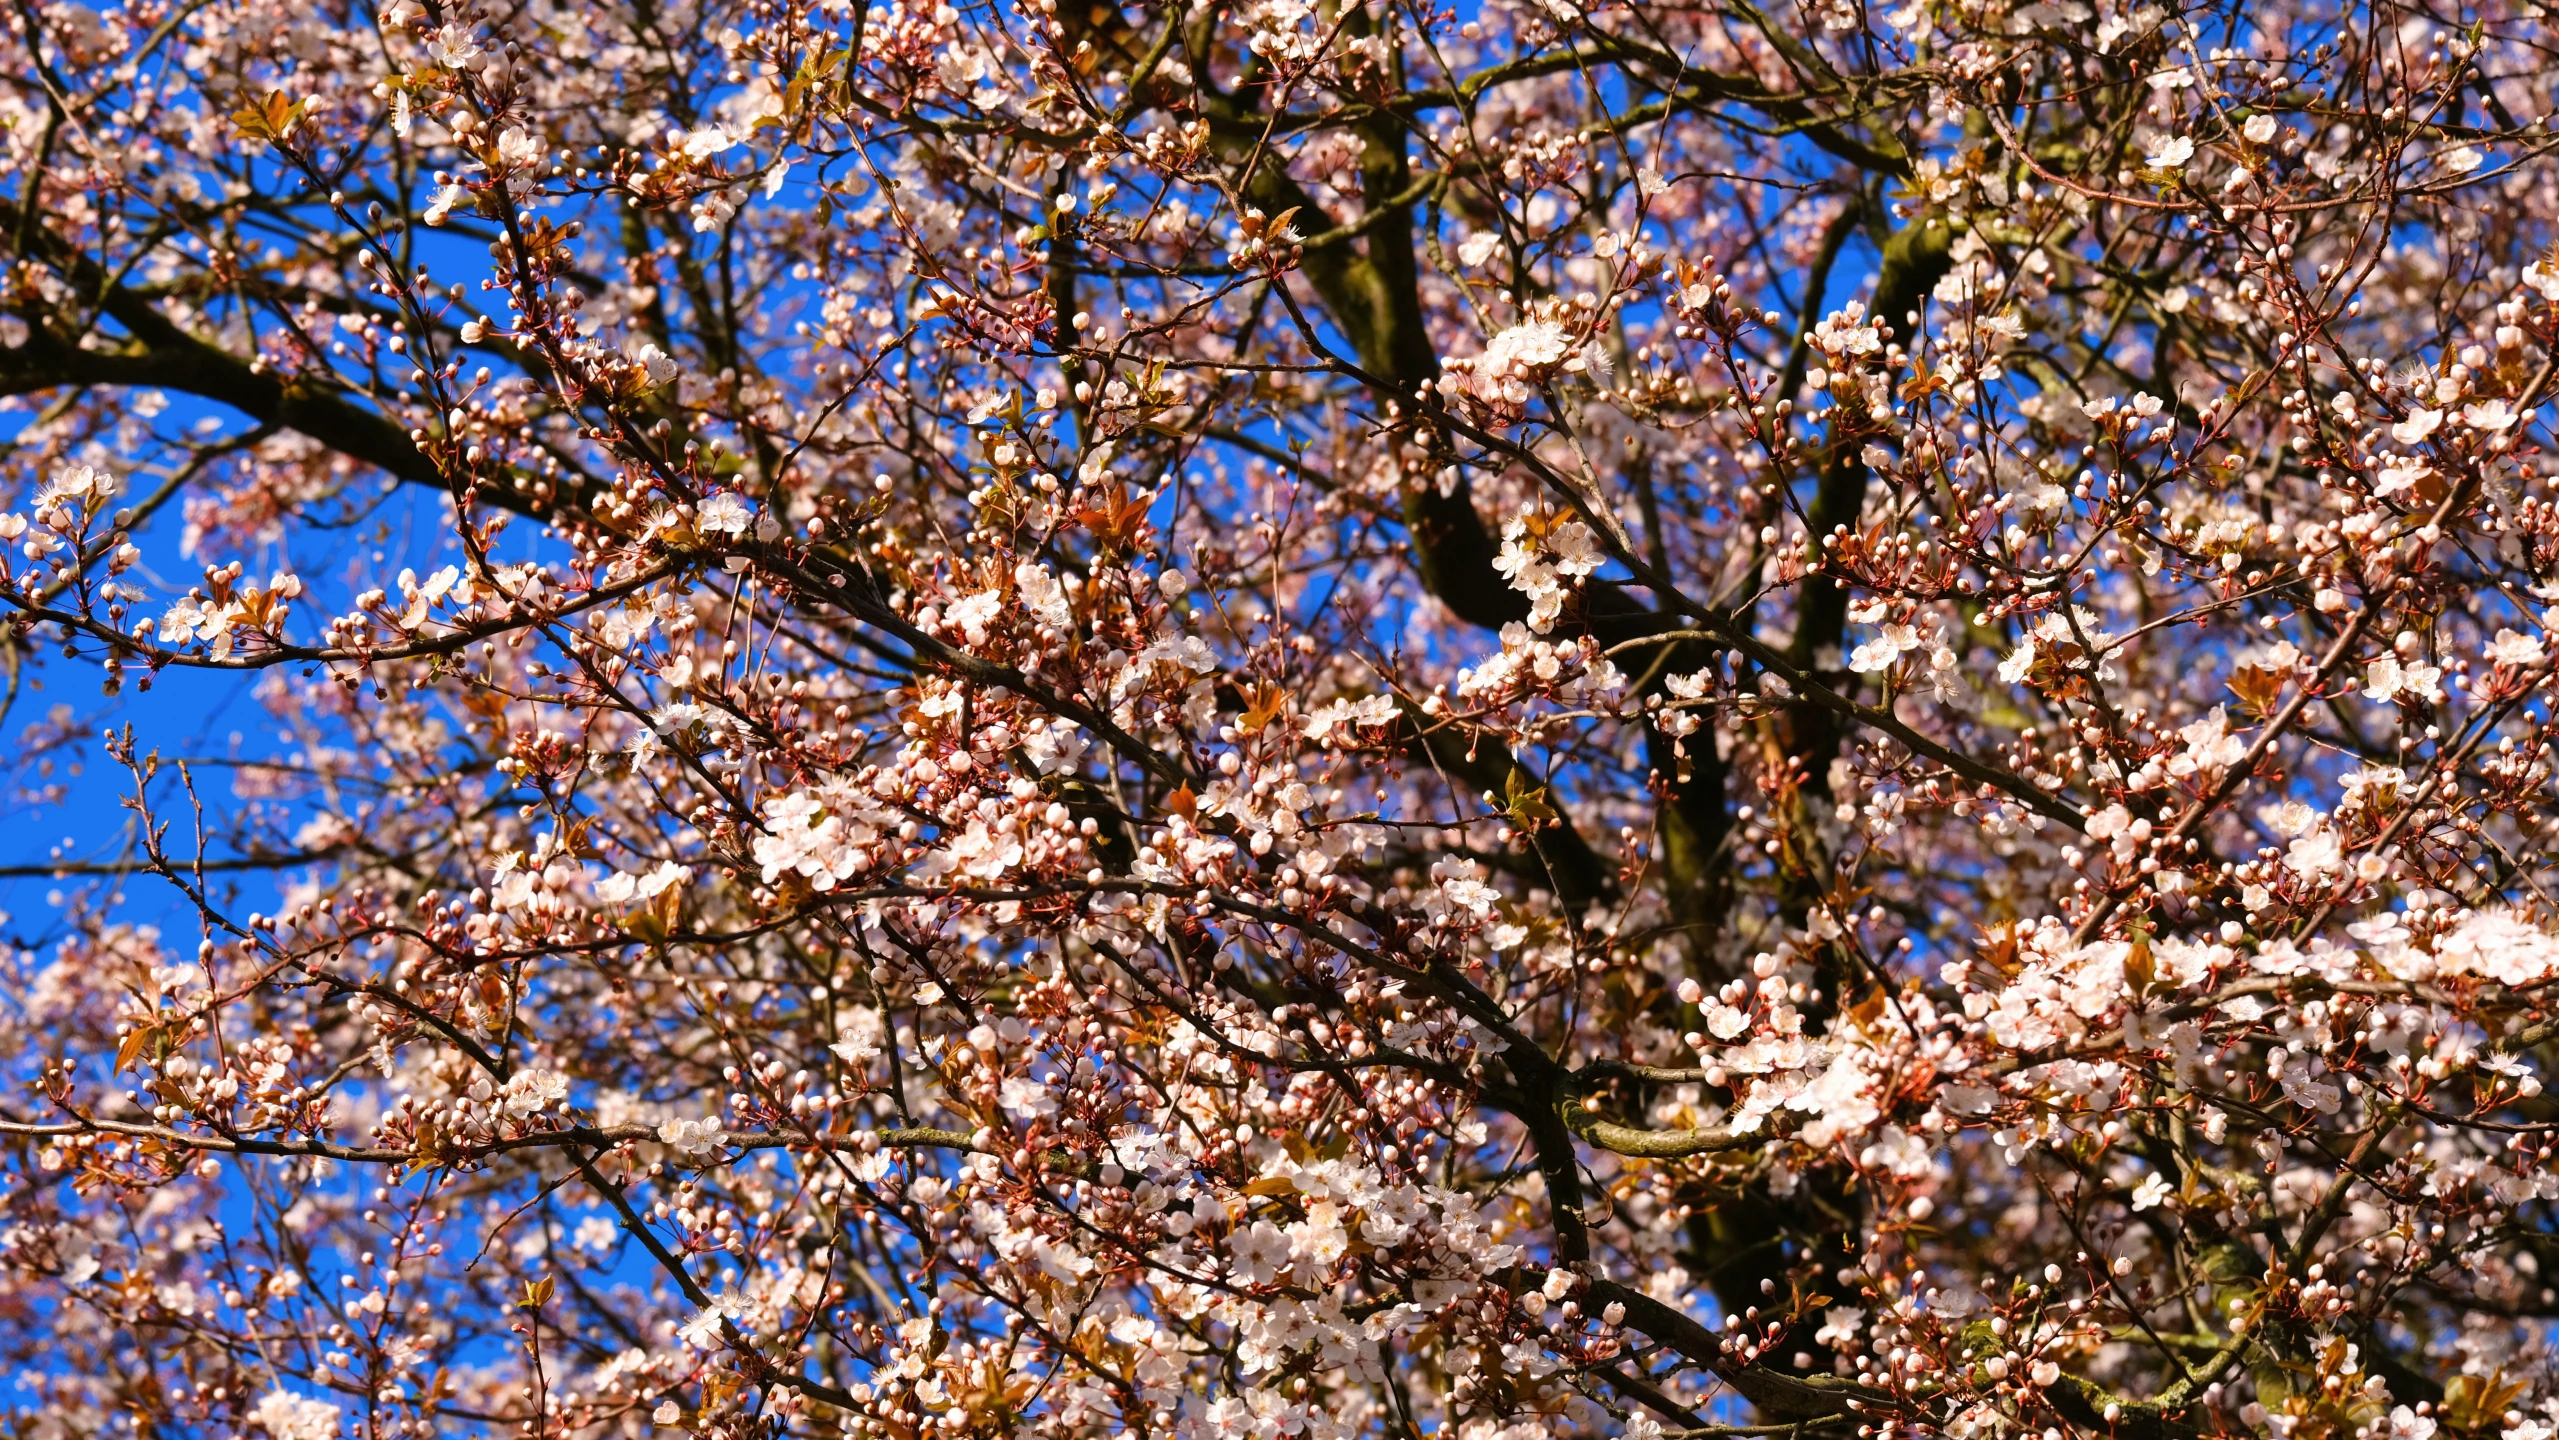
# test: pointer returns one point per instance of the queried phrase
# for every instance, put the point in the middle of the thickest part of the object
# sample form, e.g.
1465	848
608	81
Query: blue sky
65	796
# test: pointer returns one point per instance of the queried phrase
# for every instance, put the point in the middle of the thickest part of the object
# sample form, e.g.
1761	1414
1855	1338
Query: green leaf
1526	800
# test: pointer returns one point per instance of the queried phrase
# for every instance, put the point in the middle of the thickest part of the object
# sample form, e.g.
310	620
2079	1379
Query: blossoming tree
1290	719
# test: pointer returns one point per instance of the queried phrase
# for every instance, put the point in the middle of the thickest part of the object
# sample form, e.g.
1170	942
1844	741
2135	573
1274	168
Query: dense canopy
1285	718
